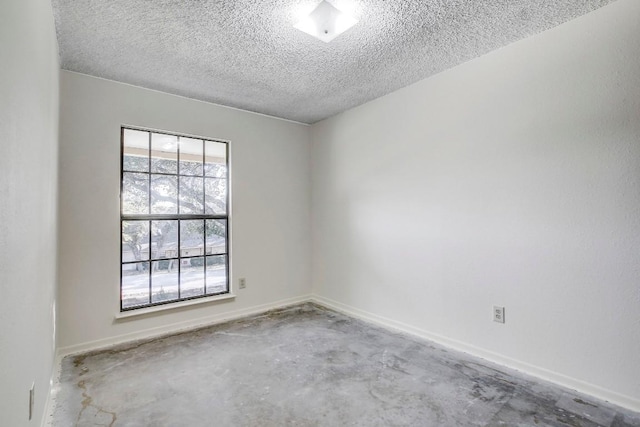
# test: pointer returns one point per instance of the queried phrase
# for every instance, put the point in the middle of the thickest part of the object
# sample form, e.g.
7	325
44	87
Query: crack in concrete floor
309	366
87	402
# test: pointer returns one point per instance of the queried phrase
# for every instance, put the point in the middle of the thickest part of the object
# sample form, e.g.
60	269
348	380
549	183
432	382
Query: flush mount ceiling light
326	22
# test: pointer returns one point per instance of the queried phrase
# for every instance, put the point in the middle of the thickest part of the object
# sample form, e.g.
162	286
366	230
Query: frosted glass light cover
326	22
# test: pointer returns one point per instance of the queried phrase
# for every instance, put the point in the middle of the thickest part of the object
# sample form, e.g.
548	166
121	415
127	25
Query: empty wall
28	191
512	180
270	207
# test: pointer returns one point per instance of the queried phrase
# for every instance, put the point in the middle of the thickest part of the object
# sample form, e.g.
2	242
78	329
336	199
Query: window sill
172	306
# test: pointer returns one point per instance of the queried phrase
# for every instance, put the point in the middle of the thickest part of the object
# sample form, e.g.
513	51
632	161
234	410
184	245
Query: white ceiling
246	53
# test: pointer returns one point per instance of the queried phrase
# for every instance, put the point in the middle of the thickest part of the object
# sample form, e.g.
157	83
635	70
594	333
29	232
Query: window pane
164	194
216	236
192	277
135	284
190	156
135	241
164	239
136	151
191	195
164	153
135	193
164	280
172	177
191	237
215	159
216	198
216	274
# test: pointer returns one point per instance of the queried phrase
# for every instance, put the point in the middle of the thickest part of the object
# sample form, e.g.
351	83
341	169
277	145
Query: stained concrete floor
308	366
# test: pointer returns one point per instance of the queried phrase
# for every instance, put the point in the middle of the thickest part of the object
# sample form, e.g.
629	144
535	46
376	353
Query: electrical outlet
32	396
498	314
242	283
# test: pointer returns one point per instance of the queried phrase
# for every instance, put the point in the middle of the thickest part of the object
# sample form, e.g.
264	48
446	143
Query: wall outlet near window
242	283
498	314
32	397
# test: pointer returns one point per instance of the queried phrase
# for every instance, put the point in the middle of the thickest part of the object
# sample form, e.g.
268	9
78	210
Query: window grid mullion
179	254
172	258
204	211
204	159
121	205
173	174
150	263
179	222
149	210
160	217
205	258
226	211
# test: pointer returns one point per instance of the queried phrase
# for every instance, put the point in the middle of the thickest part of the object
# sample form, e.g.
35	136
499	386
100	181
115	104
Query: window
174	220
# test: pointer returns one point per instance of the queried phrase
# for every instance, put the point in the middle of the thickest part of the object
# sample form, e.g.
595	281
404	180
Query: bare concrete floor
307	366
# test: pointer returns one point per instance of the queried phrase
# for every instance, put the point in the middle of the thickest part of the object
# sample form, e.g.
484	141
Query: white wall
29	73
514	180
270	211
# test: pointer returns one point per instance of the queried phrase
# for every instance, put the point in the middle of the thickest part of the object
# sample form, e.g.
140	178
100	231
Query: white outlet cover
498	314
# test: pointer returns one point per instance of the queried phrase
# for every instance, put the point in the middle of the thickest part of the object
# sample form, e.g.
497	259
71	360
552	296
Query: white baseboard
47	416
542	373
174	328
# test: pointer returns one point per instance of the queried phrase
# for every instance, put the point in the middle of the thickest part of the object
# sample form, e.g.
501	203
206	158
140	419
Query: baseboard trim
613	397
54	385
178	327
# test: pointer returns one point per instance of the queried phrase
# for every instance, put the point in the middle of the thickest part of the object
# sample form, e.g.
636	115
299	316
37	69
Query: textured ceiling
246	53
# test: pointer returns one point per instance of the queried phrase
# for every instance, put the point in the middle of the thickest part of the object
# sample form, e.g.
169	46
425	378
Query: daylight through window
174	218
